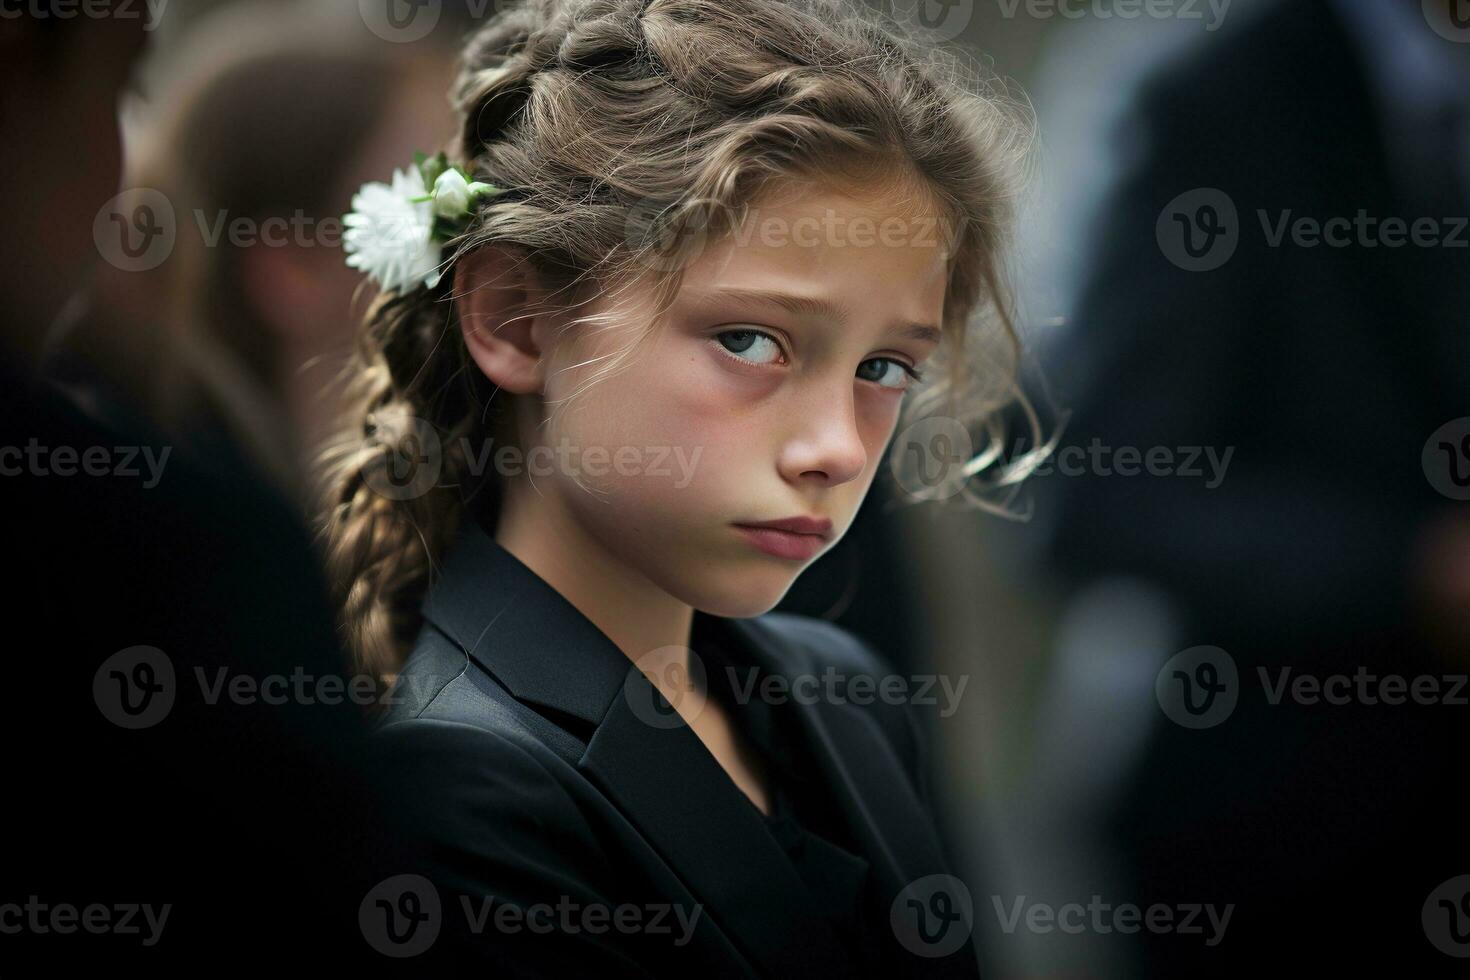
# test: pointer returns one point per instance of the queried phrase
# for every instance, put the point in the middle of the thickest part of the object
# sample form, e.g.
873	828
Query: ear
497	295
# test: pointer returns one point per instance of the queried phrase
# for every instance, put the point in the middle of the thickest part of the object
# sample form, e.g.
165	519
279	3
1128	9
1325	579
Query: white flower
390	231
451	194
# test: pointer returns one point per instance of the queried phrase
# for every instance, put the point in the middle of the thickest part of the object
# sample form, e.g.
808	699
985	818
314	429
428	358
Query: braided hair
615	127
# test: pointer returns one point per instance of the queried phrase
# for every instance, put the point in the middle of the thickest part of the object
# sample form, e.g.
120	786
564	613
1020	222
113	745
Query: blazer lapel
857	763
667	783
660	776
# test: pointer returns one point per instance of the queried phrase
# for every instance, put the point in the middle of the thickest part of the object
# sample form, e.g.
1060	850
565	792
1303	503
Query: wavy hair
626	133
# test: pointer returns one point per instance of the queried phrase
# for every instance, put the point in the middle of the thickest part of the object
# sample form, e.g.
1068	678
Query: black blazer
518	734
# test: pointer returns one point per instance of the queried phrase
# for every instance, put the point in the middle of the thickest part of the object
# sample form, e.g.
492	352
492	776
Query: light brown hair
601	116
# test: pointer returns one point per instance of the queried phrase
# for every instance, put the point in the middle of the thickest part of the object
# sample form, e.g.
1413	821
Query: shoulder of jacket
486	810
435	685
458	774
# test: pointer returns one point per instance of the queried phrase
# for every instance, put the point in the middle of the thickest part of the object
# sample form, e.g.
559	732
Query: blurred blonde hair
253	112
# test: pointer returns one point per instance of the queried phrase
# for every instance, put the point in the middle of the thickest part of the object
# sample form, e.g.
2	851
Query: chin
742	595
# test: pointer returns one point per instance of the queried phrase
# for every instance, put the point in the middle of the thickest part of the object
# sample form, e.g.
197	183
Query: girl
645	334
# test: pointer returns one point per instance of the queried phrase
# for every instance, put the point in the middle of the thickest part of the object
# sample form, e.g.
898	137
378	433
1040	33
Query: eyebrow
819	306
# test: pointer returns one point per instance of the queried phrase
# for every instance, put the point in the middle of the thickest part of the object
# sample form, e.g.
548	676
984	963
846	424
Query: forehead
875	246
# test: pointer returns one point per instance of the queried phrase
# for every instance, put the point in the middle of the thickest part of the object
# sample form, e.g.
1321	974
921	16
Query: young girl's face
770	392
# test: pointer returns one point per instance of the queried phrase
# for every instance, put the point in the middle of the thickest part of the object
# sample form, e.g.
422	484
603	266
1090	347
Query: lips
819	526
795	538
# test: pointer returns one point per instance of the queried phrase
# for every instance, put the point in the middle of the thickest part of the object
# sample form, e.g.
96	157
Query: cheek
691	433
674	398
877	420
681	428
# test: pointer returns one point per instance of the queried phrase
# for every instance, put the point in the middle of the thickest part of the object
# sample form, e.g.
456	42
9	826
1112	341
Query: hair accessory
396	232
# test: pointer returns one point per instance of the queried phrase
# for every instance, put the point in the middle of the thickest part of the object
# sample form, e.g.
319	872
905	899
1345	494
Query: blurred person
1322	549
180	770
263	121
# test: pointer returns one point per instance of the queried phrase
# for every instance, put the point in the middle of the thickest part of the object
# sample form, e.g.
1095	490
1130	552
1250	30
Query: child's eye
888	372
750	345
759	347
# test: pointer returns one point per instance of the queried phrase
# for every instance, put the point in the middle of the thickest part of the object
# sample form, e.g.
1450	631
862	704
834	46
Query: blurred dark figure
1325	548
182	769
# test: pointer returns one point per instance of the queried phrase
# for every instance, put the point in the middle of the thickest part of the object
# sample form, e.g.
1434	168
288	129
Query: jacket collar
522	631
545	652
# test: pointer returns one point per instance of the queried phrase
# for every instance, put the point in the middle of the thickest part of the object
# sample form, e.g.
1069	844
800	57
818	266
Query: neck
633	612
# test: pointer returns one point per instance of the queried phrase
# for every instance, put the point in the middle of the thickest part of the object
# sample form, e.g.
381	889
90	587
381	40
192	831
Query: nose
825	445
